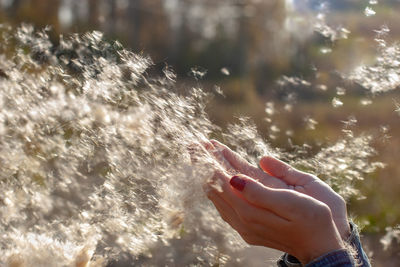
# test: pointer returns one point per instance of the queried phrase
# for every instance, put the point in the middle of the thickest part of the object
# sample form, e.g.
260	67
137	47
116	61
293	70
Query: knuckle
324	209
341	201
321	212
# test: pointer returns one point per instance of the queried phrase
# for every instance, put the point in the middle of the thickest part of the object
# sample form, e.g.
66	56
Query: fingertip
266	159
207	145
224	149
216	143
274	166
242	182
265	163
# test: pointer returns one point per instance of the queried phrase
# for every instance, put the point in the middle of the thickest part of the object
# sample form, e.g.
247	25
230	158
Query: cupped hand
282	219
279	175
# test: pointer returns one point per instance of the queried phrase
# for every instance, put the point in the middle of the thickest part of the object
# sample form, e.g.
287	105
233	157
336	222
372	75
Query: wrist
321	245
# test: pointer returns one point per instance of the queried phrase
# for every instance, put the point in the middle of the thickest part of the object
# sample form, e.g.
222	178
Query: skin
279	206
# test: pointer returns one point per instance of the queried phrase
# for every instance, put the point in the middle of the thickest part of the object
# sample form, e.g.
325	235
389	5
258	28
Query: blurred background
265	59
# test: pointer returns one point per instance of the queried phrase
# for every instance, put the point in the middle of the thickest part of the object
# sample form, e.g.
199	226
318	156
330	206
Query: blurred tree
39	12
245	36
134	19
113	21
93	10
148	27
265	52
15	5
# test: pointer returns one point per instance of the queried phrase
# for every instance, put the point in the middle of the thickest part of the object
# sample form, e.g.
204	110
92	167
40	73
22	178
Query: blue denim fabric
361	258
337	258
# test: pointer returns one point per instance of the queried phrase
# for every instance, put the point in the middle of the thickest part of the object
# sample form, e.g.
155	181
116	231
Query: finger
207	145
235	160
244	167
284	203
287	173
218	155
247	212
205	152
228	214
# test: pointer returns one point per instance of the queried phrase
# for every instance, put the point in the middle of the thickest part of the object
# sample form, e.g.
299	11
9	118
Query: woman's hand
277	218
279	175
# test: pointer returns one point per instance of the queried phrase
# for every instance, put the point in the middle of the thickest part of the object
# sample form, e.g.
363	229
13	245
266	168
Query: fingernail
238	183
215	142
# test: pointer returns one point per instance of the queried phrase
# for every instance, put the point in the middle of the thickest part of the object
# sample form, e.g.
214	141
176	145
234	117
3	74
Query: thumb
275	167
283	171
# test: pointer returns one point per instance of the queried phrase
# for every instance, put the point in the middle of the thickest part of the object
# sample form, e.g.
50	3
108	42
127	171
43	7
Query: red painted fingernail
238	183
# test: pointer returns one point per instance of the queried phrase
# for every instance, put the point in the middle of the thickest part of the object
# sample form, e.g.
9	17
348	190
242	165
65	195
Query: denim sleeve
337	258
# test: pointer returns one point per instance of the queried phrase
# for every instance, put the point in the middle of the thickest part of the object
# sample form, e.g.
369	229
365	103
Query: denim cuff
340	257
360	257
287	260
337	258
